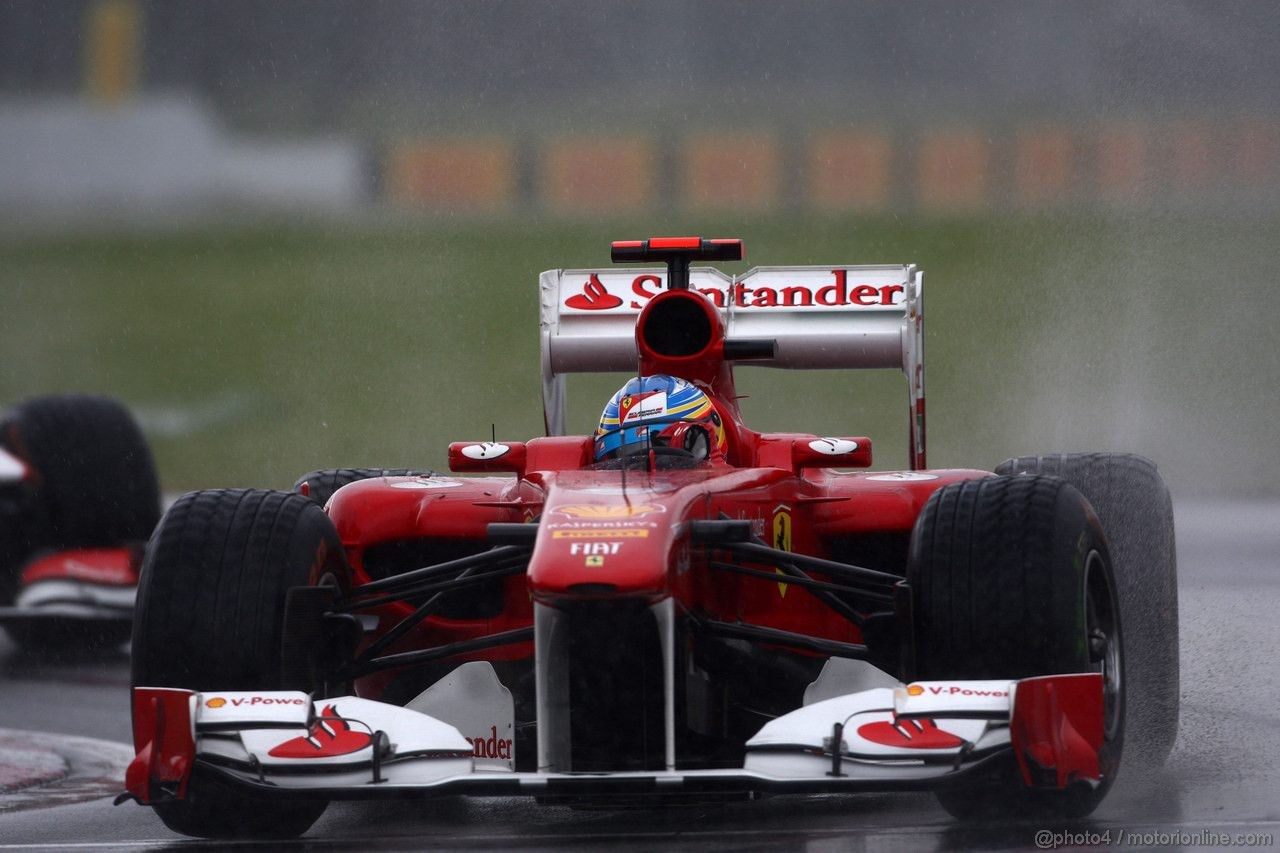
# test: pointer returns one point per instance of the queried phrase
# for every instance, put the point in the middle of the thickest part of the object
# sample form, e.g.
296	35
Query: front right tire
210	616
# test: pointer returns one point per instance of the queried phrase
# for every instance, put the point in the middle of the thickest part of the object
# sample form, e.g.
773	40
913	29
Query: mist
1092	189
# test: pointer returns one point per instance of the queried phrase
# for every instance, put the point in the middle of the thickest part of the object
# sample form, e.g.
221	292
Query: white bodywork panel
842	676
283	738
474	701
11	467
76	598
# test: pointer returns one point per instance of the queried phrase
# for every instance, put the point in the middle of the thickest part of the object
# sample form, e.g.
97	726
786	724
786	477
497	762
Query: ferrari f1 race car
78	499
675	608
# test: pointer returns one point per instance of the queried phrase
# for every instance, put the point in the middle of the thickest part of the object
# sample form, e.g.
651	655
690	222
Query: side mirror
830	453
506	456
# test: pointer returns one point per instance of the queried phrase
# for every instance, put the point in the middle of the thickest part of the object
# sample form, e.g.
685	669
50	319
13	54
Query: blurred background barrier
953	169
459	108
850	170
1044	165
1122	162
470	175
589	175
726	171
151	157
160	153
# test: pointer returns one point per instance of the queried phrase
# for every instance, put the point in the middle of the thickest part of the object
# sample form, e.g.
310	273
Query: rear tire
210	616
1134	507
94	486
95	478
15	526
320	485
1012	579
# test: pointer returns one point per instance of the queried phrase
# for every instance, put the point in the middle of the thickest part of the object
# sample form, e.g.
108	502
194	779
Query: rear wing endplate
843	317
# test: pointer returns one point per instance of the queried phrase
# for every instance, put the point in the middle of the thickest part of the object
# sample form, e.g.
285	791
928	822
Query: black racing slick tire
320	485
1011	578
95	479
1134	506
93	485
210	616
16	511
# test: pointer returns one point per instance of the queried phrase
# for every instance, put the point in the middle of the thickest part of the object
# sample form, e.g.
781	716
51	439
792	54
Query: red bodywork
646	618
648	523
108	567
603	536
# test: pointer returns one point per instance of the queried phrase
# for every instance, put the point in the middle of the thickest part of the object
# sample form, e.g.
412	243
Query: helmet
659	411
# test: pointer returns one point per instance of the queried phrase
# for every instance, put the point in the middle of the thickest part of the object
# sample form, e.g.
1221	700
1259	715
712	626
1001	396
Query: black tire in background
320	485
17	520
94	486
1134	506
210	617
95	479
1012	579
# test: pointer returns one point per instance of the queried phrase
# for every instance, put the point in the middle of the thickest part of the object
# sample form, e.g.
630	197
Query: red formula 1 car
676	607
78	499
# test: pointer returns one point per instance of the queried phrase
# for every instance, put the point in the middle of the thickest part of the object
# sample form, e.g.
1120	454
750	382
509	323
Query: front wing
82	586
925	735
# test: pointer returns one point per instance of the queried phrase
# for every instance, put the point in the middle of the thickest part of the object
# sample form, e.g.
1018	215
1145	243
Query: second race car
79	498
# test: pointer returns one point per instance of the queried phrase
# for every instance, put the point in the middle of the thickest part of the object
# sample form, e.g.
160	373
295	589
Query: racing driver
660	413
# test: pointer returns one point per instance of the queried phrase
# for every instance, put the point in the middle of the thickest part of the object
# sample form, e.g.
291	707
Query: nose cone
605	545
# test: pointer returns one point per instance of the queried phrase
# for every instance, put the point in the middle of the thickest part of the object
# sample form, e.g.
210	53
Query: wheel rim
1106	654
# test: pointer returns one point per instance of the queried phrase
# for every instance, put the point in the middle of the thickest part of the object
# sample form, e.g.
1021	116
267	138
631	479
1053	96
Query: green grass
255	353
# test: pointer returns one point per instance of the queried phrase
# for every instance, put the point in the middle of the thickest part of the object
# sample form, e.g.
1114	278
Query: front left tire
1134	506
1012	579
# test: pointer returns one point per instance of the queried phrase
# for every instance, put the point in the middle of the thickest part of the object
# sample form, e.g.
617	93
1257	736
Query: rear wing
850	317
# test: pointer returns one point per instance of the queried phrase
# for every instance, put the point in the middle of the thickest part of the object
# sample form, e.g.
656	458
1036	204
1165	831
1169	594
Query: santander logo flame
593	297
803	289
909	734
330	736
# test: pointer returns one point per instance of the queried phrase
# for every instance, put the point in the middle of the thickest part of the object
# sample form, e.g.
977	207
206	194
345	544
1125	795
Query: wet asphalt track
1223	778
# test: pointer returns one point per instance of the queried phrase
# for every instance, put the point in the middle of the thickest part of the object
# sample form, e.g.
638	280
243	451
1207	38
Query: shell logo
594	511
915	690
215	702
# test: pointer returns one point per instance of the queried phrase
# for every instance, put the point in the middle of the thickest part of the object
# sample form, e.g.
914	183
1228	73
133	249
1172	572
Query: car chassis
637	610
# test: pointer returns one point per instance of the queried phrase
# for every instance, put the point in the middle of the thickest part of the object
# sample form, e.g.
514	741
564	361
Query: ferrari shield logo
782	537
